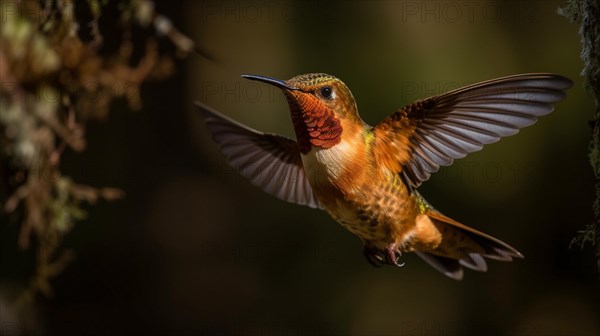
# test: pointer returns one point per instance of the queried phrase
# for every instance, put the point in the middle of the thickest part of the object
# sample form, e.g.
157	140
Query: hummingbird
366	177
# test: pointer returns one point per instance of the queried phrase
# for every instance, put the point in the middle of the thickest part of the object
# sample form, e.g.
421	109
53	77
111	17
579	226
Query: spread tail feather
462	246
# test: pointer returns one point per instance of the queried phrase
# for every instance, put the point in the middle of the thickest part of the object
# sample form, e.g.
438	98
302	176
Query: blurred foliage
587	14
60	68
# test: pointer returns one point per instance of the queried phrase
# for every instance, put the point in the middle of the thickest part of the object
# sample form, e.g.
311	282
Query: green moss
46	72
587	14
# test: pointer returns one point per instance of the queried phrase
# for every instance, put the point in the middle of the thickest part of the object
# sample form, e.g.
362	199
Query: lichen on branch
587	14
58	72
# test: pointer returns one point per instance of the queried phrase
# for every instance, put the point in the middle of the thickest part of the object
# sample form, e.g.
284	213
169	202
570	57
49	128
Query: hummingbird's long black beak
275	82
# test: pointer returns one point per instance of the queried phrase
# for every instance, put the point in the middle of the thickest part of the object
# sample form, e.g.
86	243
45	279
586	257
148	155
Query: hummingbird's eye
326	92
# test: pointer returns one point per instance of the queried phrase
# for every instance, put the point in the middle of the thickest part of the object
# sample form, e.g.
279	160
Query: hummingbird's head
321	106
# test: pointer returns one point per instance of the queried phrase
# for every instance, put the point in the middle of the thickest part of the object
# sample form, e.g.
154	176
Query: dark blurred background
195	249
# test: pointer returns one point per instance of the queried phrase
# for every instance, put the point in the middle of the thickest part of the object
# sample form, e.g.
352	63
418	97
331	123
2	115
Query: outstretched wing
430	133
271	162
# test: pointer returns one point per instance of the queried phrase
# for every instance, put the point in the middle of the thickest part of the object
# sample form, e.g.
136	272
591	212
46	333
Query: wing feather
452	125
271	162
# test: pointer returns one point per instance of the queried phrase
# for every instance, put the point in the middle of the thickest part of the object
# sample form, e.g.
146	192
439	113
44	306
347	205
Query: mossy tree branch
587	14
61	66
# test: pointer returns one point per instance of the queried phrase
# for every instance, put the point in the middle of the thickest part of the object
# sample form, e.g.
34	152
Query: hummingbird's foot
393	255
373	256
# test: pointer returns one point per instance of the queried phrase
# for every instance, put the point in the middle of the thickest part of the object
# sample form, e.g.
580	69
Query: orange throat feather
315	124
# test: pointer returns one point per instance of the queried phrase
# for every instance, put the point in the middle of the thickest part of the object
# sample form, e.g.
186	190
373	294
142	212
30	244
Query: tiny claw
372	257
393	255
